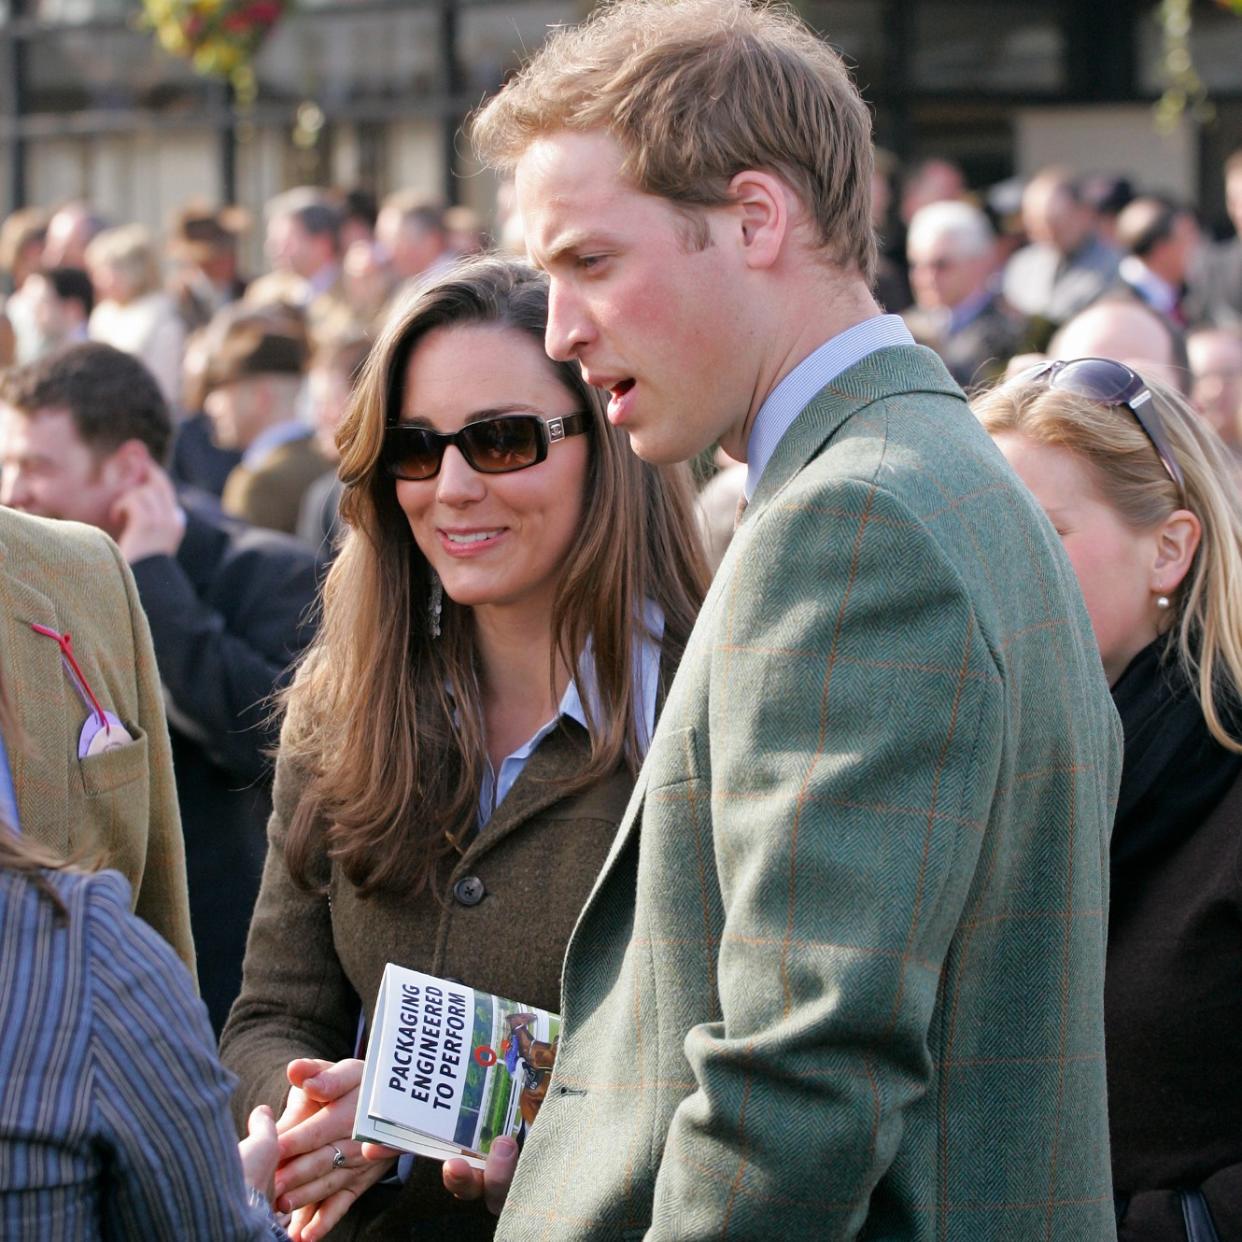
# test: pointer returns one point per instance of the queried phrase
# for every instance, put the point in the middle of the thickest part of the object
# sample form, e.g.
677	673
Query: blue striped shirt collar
794	393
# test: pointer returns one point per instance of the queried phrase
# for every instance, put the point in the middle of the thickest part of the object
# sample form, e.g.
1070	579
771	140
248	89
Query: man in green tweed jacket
842	973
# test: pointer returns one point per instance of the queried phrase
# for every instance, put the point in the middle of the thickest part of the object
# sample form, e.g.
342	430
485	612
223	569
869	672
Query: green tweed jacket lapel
40	774
909	369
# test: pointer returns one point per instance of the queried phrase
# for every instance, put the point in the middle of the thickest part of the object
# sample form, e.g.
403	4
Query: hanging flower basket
220	38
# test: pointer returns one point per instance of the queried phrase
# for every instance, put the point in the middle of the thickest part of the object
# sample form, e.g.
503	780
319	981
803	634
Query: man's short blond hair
694	92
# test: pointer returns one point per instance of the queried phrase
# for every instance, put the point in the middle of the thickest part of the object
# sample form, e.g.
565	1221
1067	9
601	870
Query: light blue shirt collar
496	785
794	393
270	439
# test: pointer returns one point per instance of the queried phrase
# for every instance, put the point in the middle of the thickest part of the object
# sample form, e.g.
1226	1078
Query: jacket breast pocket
673	759
114	769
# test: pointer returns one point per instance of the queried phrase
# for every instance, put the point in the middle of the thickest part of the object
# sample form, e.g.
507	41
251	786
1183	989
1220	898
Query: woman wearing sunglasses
1141	492
459	746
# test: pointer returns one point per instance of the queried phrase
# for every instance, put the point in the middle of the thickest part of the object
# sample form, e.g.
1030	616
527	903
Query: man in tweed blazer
119	806
841	975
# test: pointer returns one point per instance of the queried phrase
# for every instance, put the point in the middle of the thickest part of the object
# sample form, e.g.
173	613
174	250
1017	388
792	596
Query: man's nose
14	493
569	326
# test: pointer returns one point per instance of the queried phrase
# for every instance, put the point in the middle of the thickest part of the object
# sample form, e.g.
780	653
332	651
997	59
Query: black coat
1173	1025
229	613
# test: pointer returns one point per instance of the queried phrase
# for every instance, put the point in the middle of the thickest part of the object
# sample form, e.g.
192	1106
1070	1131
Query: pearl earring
1162	602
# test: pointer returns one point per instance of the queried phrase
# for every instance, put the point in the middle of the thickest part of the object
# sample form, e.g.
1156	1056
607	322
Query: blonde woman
132	312
1142	495
513	594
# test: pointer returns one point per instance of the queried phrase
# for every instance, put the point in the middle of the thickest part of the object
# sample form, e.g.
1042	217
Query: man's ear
128	466
762	204
1177	541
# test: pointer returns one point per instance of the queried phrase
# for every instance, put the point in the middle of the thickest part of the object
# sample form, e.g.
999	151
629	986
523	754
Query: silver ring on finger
338	1156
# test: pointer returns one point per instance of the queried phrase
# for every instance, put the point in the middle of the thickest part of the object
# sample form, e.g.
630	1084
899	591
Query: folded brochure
450	1069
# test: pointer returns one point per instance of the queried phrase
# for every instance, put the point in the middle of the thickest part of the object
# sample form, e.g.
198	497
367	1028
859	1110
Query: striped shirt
113	1105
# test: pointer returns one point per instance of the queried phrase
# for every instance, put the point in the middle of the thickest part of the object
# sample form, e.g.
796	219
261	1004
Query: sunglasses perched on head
491	446
1108	382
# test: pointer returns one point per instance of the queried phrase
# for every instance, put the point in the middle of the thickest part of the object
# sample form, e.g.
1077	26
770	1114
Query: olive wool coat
498	920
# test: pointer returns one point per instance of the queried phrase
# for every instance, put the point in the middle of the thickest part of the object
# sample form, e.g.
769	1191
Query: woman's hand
491	1184
312	1180
258	1150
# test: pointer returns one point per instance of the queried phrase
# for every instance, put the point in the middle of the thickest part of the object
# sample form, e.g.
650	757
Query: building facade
373	92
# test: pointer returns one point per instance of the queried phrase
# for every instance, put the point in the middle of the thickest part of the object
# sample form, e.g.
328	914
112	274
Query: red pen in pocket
103	730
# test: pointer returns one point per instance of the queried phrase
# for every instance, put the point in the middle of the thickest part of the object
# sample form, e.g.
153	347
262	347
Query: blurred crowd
256	368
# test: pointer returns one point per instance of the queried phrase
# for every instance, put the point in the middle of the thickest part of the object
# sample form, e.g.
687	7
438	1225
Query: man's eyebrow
566	244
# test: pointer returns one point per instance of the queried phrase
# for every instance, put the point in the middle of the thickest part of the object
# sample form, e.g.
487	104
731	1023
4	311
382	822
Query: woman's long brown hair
384	720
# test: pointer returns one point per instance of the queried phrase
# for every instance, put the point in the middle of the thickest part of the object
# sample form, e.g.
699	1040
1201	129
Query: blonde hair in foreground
1205	618
694	92
385	718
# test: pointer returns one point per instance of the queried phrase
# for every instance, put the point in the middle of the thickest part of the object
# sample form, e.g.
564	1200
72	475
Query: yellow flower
171	39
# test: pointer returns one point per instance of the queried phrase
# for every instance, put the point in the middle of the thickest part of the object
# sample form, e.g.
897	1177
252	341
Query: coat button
469	890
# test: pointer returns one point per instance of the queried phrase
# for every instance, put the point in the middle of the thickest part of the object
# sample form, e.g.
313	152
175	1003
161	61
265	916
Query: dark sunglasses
490	446
1108	382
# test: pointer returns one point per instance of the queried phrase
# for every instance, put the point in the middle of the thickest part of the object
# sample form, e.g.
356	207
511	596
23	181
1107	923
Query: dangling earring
435	604
1162	602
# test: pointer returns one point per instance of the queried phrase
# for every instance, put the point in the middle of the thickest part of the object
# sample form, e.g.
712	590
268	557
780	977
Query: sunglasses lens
1099	379
412	453
497	445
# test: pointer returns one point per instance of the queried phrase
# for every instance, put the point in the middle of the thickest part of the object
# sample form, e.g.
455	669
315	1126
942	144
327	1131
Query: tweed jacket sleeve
886	701
295	1000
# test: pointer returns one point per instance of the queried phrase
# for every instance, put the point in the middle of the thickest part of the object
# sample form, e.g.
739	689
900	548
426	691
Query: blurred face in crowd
653	318
112	283
365	277
1216	381
50	472
1233	198
933	181
943	272
69	232
56	318
1118	568
329	390
290	248
411	249
1052	217
239	411
1183	246
496	540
